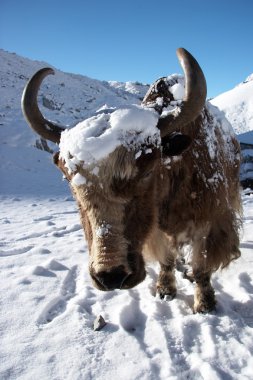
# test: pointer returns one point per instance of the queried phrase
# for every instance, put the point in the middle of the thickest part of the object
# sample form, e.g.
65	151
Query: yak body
135	210
183	191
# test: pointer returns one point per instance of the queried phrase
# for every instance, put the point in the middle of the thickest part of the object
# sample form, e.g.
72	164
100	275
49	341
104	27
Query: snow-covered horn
29	104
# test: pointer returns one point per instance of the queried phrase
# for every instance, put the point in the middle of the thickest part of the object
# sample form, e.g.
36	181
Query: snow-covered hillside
48	304
237	105
65	97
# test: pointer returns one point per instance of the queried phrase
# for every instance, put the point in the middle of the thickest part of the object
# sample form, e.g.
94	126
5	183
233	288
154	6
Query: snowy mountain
237	105
48	303
65	98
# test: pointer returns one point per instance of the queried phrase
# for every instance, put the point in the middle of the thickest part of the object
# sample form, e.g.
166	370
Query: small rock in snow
99	323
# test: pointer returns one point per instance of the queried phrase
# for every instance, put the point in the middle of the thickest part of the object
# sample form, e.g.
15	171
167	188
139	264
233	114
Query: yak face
118	208
118	199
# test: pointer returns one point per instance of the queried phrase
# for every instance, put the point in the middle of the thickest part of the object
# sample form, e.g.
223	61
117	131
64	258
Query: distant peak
249	78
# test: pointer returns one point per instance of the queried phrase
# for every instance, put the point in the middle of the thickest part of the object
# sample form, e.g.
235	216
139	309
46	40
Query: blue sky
133	40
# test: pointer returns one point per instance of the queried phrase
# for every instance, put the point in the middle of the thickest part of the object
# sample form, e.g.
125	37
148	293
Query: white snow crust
95	138
78	180
178	91
103	230
48	303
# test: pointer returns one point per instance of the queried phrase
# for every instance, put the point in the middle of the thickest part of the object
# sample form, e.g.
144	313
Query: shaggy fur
155	204
184	192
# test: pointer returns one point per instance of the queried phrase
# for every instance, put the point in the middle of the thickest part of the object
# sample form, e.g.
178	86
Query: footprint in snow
25	281
43	218
59	304
191	334
131	317
6	221
246	282
17	251
88	301
41	271
56	266
245	310
56	307
43	251
66	230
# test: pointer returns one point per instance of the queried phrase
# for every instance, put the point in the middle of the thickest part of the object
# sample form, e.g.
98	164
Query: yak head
118	194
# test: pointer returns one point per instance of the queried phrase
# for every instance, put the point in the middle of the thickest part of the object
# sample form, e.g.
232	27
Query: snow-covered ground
48	304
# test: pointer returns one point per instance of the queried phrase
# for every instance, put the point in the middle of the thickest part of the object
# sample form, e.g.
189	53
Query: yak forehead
116	176
120	164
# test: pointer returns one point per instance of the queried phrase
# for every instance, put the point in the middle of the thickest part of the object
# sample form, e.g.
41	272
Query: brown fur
153	207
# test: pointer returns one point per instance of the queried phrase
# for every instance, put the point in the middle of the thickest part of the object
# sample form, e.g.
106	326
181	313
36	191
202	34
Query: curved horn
45	128
194	98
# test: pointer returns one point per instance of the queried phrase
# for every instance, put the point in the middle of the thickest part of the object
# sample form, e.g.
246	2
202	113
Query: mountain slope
65	98
237	105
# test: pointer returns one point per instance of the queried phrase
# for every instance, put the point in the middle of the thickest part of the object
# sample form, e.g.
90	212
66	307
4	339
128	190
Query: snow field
49	306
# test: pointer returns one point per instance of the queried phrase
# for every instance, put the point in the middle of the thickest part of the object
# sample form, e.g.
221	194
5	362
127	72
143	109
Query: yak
182	191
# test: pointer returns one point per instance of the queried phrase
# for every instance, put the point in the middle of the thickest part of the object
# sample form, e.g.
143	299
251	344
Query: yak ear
56	158
60	164
175	143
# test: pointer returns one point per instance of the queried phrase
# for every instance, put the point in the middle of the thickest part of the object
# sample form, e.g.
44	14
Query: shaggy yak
178	189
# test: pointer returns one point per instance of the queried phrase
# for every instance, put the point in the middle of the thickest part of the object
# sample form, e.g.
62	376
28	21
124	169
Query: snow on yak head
114	162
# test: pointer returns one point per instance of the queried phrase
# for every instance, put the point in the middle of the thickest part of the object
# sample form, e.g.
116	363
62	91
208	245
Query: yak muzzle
112	279
117	278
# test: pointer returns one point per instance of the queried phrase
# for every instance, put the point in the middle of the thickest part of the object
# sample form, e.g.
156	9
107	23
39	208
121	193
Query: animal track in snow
246	282
131	316
46	232
42	251
65	230
59	304
17	251
245	310
55	265
53	231
43	218
41	271
88	300
247	245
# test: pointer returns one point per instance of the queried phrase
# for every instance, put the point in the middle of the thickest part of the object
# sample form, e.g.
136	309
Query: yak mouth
117	278
130	282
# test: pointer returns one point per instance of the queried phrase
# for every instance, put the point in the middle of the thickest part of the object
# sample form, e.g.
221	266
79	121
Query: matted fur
185	206
150	203
155	204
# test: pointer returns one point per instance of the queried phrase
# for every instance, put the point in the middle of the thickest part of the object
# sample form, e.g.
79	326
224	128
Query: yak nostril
112	279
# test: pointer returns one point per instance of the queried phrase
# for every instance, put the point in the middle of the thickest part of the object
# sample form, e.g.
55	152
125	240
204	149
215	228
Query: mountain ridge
68	98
